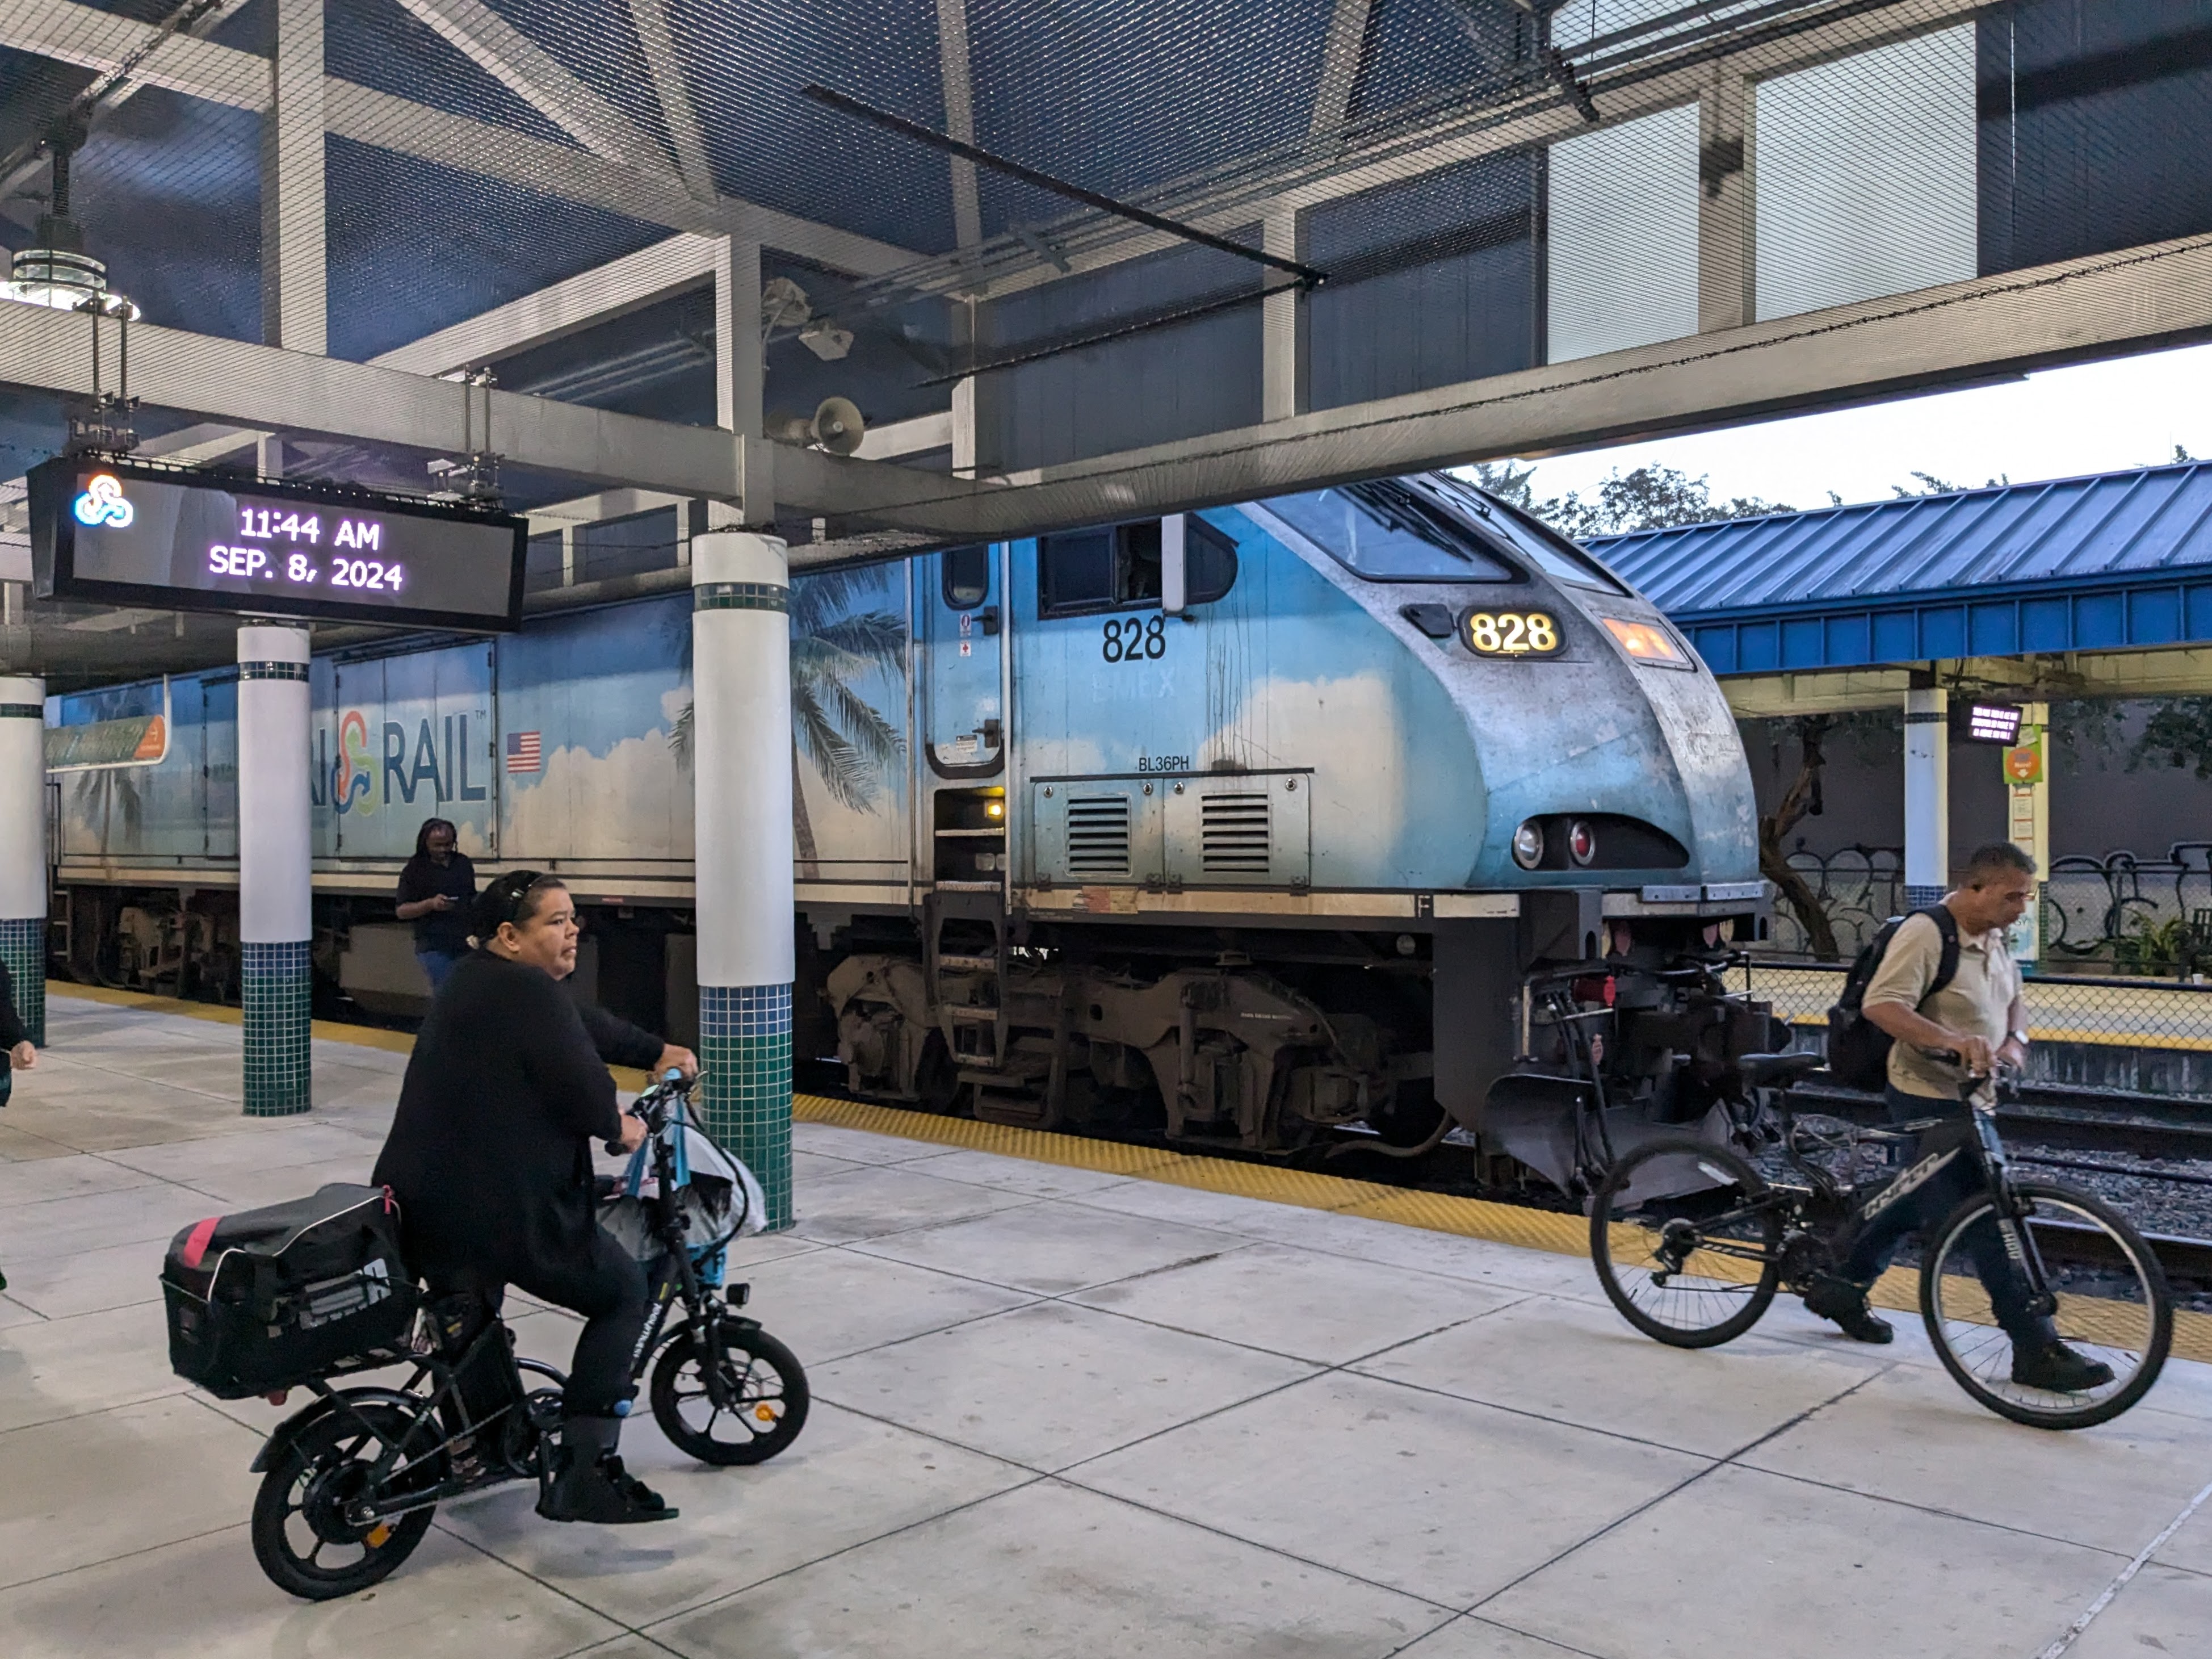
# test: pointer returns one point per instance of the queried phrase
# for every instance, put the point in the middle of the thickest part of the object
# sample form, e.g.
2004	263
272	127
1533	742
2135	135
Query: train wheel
937	1082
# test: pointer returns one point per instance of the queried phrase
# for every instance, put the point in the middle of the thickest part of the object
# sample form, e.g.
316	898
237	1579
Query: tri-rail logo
103	502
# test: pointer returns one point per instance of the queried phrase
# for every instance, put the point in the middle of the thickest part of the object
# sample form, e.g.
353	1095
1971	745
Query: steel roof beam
536	76
1540	120
2094	306
665	63
240	384
79	35
956	73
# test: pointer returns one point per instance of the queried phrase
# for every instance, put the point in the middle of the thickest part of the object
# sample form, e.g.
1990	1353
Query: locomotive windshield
1386	532
1524	534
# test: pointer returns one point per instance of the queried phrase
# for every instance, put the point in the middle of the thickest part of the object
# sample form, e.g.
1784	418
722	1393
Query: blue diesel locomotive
1380	804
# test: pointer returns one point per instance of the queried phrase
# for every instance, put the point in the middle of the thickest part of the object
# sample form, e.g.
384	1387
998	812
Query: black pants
608	1288
1925	1208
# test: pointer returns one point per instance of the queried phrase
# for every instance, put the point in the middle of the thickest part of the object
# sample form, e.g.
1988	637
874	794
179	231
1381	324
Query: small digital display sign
124	532
1993	722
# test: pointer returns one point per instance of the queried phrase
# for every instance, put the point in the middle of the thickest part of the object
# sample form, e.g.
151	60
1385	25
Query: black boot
2058	1368
1835	1297
588	1481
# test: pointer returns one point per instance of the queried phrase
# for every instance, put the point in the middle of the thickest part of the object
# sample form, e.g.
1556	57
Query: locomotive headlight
1582	843
1528	845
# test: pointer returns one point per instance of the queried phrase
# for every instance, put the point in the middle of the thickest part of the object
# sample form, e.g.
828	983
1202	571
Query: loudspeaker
837	426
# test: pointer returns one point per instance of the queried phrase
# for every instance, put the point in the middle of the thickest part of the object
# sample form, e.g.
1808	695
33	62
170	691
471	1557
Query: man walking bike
1975	1012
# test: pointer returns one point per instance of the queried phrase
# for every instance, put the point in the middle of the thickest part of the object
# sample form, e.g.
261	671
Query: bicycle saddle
1776	1071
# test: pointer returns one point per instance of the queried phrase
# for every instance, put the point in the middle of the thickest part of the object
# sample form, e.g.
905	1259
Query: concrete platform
1070	1411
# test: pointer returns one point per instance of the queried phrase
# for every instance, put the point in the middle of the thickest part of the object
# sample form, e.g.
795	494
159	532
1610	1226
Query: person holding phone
437	887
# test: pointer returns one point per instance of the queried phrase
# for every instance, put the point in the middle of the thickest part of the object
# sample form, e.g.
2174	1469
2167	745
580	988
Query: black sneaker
599	1490
2058	1368
1835	1297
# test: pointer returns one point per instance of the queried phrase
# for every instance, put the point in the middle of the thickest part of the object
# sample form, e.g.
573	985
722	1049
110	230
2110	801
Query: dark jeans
1925	1208
609	1289
437	964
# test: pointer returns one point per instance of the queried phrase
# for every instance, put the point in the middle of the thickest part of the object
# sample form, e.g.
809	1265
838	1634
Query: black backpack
1858	1049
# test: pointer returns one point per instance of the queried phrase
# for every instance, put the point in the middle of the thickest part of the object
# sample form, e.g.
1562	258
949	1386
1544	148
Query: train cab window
1114	569
1525	536
1382	531
1209	562
967	577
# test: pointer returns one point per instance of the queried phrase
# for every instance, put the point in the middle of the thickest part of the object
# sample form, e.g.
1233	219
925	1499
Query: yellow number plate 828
1511	633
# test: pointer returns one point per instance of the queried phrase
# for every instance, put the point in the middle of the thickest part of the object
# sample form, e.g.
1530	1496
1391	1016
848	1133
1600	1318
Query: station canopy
1069	261
2120	561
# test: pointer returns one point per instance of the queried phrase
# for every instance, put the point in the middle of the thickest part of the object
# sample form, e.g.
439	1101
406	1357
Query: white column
1282	322
1927	796
23	879
2027	792
294	303
742	777
738	361
275	894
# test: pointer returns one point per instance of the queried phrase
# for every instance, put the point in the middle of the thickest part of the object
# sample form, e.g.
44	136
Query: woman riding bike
490	1157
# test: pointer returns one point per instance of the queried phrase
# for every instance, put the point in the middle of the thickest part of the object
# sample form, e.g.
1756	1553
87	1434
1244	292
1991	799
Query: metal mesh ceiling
1437	159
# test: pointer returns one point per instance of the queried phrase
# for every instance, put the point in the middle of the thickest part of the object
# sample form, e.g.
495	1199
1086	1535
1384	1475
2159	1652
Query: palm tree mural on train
836	646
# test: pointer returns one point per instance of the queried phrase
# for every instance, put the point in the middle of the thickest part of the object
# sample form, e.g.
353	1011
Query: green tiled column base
23	948
275	982
744	1047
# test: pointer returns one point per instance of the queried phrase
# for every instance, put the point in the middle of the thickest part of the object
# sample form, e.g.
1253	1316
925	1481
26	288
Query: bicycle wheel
302	1536
2113	1306
1687	1239
766	1392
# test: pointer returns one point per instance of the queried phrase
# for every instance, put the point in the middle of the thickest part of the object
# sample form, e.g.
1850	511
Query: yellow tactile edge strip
1469	1218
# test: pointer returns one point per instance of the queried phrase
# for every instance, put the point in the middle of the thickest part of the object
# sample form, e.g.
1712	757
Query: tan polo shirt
1977	1000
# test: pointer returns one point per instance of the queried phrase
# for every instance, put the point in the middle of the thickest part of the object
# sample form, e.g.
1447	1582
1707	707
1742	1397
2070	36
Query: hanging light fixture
55	271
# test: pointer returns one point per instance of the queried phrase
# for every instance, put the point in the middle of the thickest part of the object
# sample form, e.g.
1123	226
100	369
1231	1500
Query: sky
2093	418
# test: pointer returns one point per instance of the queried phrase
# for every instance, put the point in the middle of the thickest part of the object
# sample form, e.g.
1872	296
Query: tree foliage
1653	497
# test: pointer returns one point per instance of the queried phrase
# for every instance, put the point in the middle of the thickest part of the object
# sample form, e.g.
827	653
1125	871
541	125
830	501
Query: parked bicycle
1692	1242
351	1482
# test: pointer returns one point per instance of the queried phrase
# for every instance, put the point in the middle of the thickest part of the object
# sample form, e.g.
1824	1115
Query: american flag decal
522	751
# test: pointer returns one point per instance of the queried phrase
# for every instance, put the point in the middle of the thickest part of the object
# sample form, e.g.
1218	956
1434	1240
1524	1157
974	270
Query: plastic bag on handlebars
718	1197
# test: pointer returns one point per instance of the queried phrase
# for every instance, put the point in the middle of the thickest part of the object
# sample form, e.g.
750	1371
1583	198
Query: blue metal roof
2114	561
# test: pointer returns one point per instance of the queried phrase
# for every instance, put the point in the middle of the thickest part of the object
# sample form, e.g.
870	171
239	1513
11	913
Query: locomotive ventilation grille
1233	833
1098	836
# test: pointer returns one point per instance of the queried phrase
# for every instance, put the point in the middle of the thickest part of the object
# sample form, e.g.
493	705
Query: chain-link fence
2119	913
2076	1010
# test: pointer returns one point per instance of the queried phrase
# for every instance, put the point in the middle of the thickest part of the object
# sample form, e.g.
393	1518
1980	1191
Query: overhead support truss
610	172
2158	295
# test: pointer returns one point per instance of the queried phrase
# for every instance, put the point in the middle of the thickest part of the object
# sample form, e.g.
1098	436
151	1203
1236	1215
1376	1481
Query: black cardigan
12	1031
490	1151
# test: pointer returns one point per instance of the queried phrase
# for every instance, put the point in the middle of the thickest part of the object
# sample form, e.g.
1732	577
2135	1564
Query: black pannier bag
267	1299
1858	1049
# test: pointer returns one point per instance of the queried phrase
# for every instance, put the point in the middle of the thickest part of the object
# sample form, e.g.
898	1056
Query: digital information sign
125	533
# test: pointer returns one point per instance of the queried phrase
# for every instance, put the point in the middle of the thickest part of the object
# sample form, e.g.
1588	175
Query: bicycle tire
1969	1345
785	1405
328	1454
1617	1218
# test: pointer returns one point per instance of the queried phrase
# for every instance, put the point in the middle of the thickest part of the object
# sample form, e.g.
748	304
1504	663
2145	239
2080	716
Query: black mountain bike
1692	1242
349	1483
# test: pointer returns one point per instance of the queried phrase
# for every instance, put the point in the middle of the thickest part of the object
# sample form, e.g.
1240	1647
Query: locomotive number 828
1511	633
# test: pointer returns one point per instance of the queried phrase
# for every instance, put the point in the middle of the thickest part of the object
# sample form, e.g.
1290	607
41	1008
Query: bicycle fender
300	1421
731	1321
